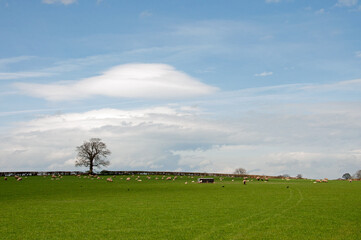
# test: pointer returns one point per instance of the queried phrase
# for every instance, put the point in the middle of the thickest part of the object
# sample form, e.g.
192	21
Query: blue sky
272	86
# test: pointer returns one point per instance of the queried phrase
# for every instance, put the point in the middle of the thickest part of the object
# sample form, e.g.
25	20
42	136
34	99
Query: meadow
89	208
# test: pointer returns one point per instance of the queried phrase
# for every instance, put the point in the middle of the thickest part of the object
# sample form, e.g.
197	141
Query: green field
88	208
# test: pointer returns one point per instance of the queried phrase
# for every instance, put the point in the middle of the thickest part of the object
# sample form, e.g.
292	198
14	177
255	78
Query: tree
346	176
358	175
92	154
241	171
299	175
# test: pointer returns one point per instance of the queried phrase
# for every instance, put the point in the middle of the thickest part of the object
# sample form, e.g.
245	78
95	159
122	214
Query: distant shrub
105	172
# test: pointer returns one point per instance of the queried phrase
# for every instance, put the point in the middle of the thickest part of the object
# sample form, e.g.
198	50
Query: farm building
205	180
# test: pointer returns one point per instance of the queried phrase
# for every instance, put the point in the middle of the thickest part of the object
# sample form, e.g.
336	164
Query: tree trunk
91	167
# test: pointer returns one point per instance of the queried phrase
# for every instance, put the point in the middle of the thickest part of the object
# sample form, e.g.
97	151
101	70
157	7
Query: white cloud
147	81
64	66
321	11
65	2
349	85
16	75
264	74
145	14
358	54
10	113
5	61
273	1
346	3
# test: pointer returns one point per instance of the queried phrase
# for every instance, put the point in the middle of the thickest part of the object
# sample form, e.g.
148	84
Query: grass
83	208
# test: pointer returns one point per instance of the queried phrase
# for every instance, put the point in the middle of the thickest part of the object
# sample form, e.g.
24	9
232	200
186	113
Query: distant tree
285	175
346	176
92	153
299	175
358	175
241	171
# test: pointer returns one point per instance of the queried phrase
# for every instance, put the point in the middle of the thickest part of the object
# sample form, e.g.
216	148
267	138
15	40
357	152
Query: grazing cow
109	179
5	178
19	179
186	183
128	179
169	178
244	182
258	178
350	180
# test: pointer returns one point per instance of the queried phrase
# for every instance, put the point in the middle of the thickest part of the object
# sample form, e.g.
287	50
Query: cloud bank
276	130
147	81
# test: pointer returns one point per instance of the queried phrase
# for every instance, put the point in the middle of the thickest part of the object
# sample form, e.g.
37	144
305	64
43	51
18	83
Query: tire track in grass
235	222
301	198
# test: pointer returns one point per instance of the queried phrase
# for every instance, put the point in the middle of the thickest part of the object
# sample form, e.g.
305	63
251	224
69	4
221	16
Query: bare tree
357	175
241	171
299	175
92	154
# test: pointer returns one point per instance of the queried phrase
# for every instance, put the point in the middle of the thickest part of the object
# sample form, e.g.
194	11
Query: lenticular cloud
150	81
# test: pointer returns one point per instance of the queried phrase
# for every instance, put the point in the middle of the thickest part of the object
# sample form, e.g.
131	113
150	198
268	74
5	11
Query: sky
272	86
